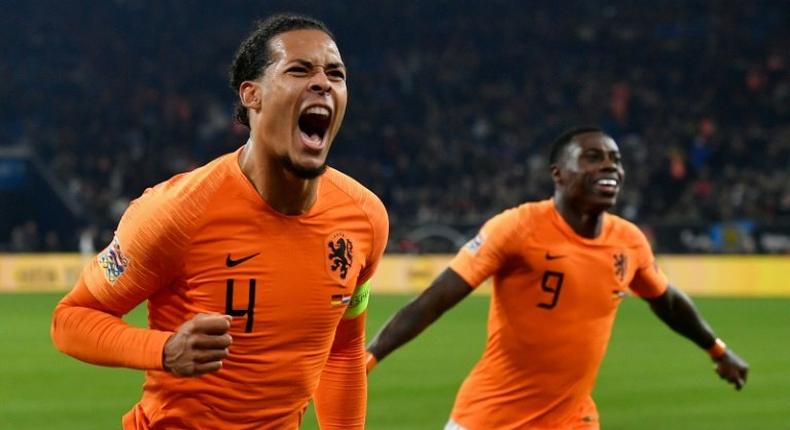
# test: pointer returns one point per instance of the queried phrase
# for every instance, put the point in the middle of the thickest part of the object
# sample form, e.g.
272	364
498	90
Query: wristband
718	349
370	362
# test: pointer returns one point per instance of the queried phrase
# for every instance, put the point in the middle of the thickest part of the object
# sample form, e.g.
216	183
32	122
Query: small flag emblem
341	299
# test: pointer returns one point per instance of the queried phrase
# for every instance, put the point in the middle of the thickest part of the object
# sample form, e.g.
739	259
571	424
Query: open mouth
607	186
314	123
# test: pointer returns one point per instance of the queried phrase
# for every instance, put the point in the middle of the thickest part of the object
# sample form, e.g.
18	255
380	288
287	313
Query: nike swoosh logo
231	262
553	257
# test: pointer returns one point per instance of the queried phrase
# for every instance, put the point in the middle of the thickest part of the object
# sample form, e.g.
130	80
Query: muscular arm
678	312
445	292
341	397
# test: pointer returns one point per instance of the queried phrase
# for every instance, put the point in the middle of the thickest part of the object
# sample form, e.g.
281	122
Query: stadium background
452	107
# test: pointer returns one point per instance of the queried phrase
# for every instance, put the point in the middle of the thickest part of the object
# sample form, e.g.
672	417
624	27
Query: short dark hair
254	54
566	137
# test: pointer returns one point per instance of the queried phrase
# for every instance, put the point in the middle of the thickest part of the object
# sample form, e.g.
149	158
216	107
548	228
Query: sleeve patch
112	261
476	242
359	301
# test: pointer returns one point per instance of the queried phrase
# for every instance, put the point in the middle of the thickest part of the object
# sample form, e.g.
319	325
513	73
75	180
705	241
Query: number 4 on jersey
250	311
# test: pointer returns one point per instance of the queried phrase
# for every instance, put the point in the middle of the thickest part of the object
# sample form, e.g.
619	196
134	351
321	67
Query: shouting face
297	105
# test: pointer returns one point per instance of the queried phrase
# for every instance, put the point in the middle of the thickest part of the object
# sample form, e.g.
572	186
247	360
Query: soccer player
561	267
256	266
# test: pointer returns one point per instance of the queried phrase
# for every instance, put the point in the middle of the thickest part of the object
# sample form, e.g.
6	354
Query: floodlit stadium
452	111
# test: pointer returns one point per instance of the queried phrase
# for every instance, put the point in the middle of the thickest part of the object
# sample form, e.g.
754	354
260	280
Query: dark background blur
452	108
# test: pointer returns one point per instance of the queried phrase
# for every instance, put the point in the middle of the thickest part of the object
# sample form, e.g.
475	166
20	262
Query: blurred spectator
453	105
25	238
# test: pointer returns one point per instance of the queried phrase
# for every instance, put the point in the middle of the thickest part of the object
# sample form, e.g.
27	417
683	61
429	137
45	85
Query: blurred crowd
452	104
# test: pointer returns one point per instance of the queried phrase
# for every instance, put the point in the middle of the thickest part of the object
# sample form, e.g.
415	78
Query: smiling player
255	266
560	268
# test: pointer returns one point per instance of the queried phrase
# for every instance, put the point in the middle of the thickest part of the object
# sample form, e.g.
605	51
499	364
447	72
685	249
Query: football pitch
651	378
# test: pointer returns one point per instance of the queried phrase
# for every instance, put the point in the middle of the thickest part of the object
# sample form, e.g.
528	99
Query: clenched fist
199	345
732	369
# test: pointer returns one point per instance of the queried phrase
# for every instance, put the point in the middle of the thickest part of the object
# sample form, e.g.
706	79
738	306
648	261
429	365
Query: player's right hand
732	369
199	345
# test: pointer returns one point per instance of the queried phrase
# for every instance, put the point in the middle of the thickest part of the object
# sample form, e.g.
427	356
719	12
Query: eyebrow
310	65
617	151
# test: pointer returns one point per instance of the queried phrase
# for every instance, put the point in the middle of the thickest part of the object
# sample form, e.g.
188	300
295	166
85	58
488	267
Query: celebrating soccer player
255	266
561	267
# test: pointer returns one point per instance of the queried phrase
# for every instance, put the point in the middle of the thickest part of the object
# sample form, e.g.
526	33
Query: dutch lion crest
341	254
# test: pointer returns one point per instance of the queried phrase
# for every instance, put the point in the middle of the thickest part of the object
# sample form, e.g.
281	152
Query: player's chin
604	201
309	168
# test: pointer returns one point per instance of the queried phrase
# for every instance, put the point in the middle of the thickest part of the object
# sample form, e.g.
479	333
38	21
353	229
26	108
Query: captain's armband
359	301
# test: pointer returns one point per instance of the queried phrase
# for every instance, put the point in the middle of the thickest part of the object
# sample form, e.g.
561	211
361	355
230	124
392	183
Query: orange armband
718	349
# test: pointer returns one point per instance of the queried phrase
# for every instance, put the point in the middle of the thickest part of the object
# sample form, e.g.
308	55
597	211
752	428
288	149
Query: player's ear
250	95
556	175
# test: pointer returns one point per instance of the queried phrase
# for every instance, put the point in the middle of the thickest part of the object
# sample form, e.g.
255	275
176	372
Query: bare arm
678	312
444	292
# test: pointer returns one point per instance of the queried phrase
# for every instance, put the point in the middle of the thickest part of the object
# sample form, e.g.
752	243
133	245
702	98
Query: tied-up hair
254	54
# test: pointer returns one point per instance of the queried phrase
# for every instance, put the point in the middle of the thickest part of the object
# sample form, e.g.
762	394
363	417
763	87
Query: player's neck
585	223
280	189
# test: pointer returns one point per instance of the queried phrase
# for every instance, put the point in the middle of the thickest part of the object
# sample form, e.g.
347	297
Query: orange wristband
370	362
718	349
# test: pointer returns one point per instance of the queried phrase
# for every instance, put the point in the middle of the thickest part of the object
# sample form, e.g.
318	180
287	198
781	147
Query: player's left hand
732	369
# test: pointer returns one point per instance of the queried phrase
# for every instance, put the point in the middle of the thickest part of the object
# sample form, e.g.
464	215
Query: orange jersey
554	301
206	241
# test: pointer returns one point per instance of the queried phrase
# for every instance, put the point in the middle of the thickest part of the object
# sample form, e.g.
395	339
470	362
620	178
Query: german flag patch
340	299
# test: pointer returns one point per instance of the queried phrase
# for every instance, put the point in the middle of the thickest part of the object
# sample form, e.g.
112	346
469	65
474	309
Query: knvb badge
620	265
112	261
340	256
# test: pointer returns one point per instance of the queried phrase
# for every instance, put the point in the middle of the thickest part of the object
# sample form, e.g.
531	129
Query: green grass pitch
650	379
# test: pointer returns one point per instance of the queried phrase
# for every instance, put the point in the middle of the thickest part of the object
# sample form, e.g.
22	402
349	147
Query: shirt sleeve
83	328
341	397
142	257
649	281
379	222
487	252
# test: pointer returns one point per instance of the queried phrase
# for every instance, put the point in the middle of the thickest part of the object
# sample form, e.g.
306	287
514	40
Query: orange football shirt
205	241
554	301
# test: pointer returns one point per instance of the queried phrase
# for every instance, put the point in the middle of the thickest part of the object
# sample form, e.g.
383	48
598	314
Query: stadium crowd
452	106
